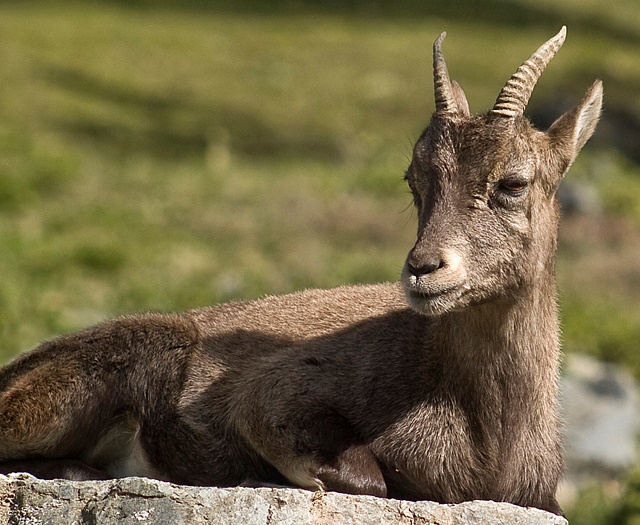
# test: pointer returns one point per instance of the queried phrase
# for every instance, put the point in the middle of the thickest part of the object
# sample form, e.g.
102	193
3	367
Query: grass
161	158
164	155
146	169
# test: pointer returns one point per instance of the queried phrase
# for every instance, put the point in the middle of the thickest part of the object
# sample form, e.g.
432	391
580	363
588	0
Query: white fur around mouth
430	298
421	288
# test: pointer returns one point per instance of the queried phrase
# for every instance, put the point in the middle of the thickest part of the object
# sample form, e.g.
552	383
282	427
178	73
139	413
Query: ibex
442	387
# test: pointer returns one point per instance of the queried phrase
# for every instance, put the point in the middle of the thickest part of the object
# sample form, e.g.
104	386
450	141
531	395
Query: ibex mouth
432	300
426	296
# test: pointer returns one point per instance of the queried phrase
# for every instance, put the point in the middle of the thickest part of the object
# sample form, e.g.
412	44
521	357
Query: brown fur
450	399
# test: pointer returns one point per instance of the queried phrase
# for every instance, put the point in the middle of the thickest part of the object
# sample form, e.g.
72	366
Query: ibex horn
443	90
514	96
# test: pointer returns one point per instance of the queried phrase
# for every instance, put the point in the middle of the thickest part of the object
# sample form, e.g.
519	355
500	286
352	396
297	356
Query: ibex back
442	387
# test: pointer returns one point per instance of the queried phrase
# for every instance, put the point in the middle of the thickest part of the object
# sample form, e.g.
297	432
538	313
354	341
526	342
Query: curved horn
514	96
443	90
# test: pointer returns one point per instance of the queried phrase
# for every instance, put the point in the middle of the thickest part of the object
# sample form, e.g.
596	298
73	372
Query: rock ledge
25	500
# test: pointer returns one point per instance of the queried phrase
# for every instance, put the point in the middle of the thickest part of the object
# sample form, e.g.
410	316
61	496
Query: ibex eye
514	186
412	187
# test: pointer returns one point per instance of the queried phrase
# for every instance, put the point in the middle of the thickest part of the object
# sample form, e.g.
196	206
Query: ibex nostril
425	267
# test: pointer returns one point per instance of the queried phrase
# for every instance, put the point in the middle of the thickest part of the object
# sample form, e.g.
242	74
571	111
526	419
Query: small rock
579	197
601	410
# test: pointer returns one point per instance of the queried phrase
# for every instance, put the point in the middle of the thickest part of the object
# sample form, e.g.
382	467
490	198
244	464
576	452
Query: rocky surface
25	500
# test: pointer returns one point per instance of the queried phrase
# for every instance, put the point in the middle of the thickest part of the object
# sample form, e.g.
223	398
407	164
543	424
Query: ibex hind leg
48	408
57	426
58	422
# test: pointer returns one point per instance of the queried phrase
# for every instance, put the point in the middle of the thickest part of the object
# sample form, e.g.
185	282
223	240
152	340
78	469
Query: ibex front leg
314	448
353	471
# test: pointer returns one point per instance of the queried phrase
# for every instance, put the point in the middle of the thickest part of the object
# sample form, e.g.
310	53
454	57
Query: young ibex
450	399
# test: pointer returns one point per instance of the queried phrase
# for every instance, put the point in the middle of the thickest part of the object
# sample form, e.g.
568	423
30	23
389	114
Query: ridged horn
514	97
443	90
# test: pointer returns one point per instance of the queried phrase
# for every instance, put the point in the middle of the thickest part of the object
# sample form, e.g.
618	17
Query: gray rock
601	408
579	197
601	411
25	500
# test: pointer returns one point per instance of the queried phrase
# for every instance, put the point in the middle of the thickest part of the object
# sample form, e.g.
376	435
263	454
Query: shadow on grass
489	12
172	125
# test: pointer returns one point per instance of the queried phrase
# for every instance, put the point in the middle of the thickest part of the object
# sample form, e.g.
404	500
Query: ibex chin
442	387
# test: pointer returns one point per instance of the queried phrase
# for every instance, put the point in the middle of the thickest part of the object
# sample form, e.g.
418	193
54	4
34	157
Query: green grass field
162	156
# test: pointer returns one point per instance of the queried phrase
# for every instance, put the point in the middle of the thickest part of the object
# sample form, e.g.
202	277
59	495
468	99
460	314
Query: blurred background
163	155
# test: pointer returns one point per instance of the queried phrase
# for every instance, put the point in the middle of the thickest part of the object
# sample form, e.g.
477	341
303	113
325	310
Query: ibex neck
512	338
501	371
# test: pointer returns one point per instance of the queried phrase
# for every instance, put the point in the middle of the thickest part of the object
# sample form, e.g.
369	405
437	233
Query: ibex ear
572	130
461	99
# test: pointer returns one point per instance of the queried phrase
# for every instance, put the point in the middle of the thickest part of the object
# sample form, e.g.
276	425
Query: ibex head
484	187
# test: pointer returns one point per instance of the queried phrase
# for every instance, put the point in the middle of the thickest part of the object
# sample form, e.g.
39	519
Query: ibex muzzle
348	389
